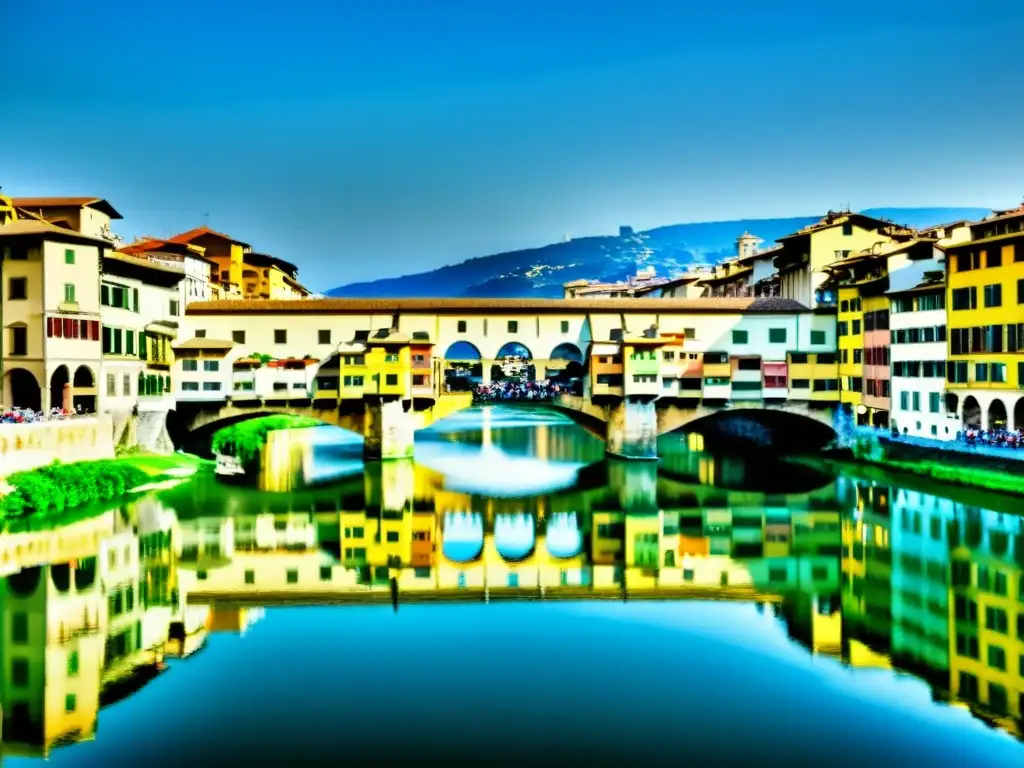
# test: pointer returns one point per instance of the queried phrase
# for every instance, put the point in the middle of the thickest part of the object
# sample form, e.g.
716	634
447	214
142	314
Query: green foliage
58	487
263	358
246	439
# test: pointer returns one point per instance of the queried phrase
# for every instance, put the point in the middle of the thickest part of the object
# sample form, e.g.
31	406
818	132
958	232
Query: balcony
717	370
66	632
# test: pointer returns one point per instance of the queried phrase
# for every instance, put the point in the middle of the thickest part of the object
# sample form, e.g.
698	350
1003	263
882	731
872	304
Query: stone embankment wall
28	446
145	429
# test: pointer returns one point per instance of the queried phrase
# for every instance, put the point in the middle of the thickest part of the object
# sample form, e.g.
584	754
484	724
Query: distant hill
540	272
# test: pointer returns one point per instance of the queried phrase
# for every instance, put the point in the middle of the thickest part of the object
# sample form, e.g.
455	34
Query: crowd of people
999	437
28	416
516	389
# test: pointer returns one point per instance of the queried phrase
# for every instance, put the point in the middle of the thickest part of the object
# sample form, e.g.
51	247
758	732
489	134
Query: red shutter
58	329
67	328
49	327
94	330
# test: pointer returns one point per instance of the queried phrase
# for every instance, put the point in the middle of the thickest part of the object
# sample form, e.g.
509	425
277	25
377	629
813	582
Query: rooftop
144	263
35	228
41	203
491	306
835	218
195	234
266	260
200	343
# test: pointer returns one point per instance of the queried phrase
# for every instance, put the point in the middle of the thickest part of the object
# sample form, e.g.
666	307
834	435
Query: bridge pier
633	429
388	428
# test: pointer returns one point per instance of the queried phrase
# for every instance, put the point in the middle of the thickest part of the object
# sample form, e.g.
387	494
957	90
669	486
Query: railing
64	633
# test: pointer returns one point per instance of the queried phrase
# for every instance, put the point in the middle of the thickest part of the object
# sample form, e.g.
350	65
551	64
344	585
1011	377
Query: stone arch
84	389
462	536
59	380
463	366
514	535
23	389
996	414
1018	415
25	582
567	363
781	431
563	535
513	360
971	412
514	349
567	351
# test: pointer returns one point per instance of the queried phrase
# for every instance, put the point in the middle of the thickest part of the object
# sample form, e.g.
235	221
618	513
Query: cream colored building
141	308
51	315
197	283
86	215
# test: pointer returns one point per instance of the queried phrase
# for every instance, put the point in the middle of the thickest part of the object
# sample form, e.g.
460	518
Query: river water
510	596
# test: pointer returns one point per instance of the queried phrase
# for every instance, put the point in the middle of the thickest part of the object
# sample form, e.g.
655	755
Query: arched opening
84	390
971	412
463	367
462	536
763	431
996	415
566	366
23	390
514	536
513	361
952	402
1018	419
25	582
563	535
60	388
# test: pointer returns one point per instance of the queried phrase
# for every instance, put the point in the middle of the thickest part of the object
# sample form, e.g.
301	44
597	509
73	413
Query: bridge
639	367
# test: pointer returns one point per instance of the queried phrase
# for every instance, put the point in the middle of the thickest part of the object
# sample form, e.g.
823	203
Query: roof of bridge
494	306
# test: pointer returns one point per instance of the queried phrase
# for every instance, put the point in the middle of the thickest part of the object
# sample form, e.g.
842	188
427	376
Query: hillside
540	272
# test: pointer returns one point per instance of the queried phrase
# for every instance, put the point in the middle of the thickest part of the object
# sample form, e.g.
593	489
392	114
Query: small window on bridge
513	326
238	337
324	336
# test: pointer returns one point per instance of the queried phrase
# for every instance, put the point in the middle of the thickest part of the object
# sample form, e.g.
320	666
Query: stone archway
60	379
463	367
566	363
971	414
996	415
513	361
84	389
1018	414
23	390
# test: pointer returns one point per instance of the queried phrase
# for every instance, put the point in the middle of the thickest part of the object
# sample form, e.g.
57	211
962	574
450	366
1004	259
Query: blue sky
372	139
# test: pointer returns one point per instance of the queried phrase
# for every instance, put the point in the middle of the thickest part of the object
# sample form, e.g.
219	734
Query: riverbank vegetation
57	488
246	439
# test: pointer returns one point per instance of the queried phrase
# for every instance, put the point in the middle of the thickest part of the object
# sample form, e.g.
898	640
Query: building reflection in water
867	574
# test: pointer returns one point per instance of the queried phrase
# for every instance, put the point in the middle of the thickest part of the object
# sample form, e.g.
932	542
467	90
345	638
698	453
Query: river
511	596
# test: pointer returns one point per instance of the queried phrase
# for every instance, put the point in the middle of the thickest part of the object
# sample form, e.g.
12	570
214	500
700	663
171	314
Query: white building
185	258
141	309
917	324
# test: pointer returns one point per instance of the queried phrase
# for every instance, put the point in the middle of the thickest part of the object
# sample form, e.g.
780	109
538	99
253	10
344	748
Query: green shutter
135	298
105	295
129	342
69	256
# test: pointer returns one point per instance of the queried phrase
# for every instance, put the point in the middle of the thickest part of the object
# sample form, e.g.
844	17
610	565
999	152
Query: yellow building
389	365
802	259
225	251
985	310
268	277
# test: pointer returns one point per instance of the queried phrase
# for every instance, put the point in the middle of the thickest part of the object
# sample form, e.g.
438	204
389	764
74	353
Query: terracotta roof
66	202
832	219
30	227
676	281
489	306
761	254
266	260
718	279
195	234
198	343
144	263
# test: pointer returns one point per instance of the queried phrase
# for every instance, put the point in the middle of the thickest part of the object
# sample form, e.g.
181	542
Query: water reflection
853	569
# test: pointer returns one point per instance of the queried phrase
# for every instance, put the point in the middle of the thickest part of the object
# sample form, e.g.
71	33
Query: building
52	351
241	273
803	255
191	260
917	326
87	215
861	281
985	316
141	307
642	282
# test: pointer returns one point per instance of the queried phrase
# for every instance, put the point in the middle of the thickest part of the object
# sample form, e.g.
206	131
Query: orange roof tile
194	234
66	202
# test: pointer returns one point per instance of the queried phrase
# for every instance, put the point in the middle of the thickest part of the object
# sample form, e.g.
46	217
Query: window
280	336
996	657
190	365
201	334
293	576
211	386
995	619
965	298
19	340
801	384
739	337
817	337
934	402
19	673
239	337
993	295
190	386
174	308
994	257
513	326
126	385
777	335
211	366
69	292
391	380
17	288
323	337
111	385
70	703
392	536
847	228
461	326
250	577
69	256
565	326
73	664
